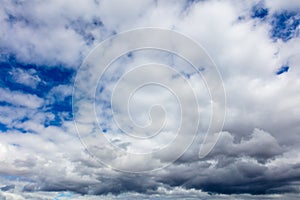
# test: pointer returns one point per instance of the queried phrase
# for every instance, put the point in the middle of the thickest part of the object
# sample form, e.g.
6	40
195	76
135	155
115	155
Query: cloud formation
42	45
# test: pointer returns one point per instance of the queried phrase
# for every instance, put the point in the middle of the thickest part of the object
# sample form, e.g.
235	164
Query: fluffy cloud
28	78
20	99
41	156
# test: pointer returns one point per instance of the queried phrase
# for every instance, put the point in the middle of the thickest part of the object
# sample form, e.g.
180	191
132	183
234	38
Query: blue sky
254	44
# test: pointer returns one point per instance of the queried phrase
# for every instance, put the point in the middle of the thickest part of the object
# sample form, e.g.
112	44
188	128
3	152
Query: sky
66	131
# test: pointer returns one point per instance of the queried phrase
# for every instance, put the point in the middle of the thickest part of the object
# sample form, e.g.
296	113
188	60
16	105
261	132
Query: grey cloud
259	144
7	187
237	167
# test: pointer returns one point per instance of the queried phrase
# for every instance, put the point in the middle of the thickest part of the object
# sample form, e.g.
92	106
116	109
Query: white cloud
20	99
27	77
291	5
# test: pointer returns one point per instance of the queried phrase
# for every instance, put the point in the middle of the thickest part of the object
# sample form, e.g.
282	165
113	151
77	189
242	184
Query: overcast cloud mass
256	47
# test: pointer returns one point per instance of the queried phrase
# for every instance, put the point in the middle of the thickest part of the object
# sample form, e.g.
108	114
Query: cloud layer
42	45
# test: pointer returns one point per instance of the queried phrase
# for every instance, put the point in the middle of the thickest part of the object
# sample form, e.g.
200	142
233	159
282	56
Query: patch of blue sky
64	105
49	76
4	103
62	111
58	119
285	25
23	130
259	11
64	195
56	75
282	70
3	127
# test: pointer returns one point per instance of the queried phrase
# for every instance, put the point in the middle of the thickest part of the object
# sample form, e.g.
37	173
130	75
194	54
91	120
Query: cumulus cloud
20	99
28	78
257	155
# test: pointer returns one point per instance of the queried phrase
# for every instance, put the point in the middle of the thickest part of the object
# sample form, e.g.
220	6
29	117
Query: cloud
28	77
260	145
20	99
291	5
47	32
257	155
